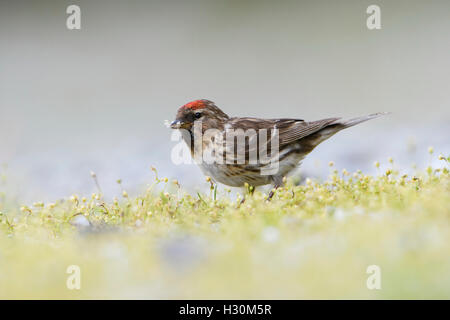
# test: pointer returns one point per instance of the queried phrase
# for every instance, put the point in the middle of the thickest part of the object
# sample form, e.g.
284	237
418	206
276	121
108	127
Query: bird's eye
197	115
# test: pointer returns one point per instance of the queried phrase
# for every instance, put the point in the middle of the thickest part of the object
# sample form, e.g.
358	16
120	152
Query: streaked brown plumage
297	138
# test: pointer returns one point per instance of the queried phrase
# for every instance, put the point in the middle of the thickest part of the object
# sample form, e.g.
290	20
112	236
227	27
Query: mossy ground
311	241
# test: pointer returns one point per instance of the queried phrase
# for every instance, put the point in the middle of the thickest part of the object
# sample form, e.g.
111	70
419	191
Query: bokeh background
72	101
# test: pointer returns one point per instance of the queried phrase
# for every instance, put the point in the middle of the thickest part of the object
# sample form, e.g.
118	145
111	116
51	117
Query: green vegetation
311	241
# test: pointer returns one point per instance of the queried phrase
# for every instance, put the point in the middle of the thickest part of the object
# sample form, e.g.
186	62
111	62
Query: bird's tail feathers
355	121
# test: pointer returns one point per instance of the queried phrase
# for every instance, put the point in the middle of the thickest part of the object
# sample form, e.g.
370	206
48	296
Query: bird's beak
178	124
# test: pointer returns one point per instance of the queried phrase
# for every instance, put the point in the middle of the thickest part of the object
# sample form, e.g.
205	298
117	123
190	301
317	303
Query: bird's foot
272	192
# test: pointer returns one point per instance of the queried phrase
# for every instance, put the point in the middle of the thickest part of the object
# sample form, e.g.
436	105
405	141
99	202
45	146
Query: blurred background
72	101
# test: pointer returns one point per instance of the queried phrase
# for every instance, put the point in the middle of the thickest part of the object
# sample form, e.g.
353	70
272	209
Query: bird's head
203	111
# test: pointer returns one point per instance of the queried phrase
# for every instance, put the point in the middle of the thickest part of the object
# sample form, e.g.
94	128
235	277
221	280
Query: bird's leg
278	182
244	196
271	193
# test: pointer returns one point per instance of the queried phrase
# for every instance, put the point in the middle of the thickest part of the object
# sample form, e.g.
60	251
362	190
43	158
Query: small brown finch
251	151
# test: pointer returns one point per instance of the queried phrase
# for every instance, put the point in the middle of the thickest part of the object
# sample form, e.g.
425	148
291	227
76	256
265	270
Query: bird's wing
293	131
289	130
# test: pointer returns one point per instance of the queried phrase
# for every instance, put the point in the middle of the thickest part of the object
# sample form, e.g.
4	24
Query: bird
259	159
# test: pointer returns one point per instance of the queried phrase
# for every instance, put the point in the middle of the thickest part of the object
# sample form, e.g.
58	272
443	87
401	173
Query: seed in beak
177	124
